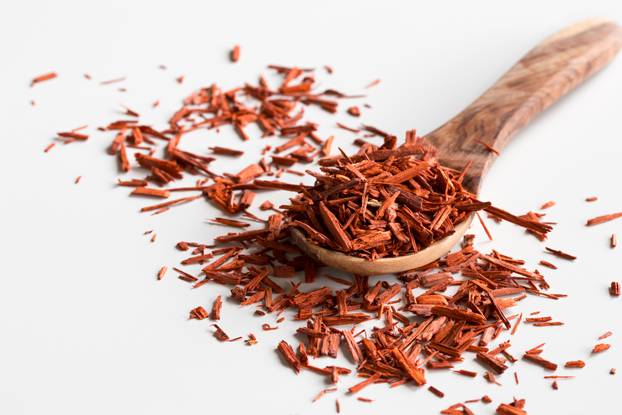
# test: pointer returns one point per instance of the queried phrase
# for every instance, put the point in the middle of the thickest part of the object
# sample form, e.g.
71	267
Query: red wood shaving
490	378
169	203
373	83
547	264
226	151
613	241
230	222
216	308
467	373
537	319
361	385
42	78
287	353
251	340
184	276
323	392
481	221
601	347
354	111
267	205
614	289
518	321
457	409
146	191
124	164
514	408
161	273
560	254
547	205
130	112
345	127
198	313
533	355
591	199
77	180
436	391
112	81
48	147
604	218
235	53
72	135
268	327
220	334
605	335
612	371
579	364
366	400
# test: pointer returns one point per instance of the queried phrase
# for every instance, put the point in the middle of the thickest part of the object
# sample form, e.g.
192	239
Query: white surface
84	326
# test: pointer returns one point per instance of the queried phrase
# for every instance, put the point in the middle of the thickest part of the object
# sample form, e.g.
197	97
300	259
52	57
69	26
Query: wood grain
545	74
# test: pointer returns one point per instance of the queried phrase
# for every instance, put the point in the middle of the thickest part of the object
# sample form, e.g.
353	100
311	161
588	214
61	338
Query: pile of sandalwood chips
386	200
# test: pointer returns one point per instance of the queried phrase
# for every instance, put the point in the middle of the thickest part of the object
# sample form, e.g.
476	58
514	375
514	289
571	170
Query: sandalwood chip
601	347
198	313
267	205
605	335
579	364
220	334
235	53
287	353
547	205
514	408
560	254
42	78
145	191
604	218
354	111
224	151
436	391
216	308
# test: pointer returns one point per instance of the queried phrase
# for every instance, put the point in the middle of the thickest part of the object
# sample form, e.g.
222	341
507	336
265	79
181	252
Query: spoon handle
545	74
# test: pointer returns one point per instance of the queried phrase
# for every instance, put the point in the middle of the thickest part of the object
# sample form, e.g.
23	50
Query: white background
84	326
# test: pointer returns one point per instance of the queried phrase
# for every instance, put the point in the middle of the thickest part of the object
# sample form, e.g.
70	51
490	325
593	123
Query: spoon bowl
362	266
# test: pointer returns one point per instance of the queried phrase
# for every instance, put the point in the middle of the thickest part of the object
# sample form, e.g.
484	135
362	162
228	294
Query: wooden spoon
545	74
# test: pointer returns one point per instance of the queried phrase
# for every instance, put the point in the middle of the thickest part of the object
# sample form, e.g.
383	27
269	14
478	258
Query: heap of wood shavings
383	201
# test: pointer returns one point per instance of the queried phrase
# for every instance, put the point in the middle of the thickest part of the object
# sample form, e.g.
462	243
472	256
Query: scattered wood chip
42	78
